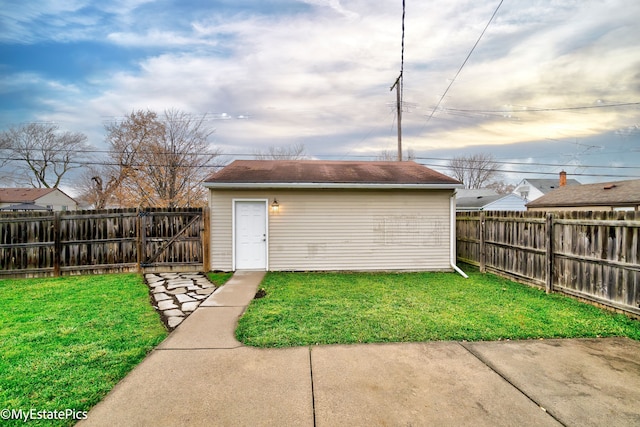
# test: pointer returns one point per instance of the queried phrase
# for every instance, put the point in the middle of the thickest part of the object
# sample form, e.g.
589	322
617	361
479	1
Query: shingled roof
22	195
328	174
618	193
547	185
478	201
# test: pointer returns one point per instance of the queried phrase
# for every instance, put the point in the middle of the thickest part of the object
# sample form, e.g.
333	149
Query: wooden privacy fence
590	255
103	241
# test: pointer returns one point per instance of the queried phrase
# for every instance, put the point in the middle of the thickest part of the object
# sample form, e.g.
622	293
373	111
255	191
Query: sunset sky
551	85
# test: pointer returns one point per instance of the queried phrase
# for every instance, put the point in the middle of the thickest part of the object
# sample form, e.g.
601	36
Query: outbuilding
286	215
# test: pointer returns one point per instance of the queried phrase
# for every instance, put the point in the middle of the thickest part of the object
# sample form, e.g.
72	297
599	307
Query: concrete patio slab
414	384
581	382
207	327
238	387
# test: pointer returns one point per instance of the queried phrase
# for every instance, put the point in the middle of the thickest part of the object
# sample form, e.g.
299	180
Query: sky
550	85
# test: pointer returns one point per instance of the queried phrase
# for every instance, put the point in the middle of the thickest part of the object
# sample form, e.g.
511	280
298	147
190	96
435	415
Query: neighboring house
331	215
604	196
463	193
531	189
497	202
49	198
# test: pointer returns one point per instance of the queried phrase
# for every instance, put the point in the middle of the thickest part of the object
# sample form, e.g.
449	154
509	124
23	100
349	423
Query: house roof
25	207
478	201
601	194
504	202
547	185
21	195
328	174
463	193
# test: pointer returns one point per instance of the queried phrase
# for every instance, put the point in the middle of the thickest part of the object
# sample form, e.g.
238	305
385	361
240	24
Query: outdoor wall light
275	206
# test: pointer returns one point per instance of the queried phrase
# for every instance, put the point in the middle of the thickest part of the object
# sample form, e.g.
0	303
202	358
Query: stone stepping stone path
176	295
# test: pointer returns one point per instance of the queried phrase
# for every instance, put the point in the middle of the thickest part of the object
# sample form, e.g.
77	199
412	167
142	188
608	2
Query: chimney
563	179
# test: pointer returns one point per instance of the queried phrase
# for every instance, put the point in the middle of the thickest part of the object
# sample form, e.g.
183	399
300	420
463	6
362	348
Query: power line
186	117
534	164
536	110
441	159
224	154
523	172
195	154
132	165
465	61
139	152
358	144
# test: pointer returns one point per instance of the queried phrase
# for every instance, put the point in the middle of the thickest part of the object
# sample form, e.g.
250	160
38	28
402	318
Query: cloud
295	77
334	5
64	20
571	57
157	38
319	71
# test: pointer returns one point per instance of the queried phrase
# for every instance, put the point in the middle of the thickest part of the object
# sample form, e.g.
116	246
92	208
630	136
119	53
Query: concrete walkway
202	376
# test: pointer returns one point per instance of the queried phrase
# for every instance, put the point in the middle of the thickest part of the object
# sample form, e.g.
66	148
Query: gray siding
343	229
57	201
510	202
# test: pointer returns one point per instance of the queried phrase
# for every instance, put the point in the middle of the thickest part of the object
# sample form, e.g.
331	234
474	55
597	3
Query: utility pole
397	85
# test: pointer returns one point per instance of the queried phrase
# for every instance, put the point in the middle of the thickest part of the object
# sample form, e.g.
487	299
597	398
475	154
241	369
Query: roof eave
331	185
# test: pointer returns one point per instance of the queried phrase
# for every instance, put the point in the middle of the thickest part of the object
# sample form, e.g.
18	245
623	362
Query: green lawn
326	308
65	342
218	278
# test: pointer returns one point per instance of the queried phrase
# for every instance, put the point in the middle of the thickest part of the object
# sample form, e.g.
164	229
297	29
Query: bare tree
113	182
501	187
41	155
474	171
289	152
391	156
4	148
98	189
154	161
176	164
5	173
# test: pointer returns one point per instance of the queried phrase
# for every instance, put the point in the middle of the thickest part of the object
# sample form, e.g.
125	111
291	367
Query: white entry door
251	235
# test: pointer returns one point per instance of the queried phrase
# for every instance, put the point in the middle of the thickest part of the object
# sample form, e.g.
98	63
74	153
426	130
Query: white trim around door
250	234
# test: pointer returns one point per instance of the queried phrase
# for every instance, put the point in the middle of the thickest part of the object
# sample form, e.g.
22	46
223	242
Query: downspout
452	233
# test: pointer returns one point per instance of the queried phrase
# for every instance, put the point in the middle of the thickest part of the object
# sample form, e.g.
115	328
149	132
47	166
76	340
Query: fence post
549	254
206	238
139	235
482	246
57	247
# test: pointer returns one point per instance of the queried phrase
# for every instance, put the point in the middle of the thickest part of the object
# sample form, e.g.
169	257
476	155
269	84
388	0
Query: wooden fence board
593	255
100	241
